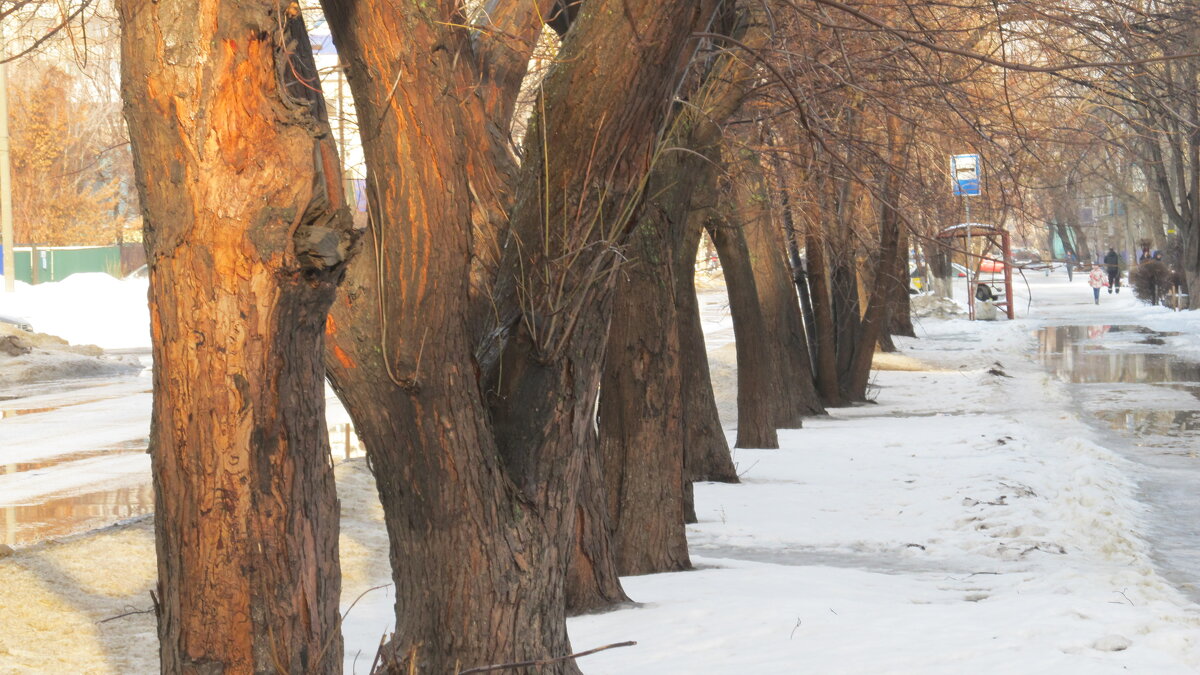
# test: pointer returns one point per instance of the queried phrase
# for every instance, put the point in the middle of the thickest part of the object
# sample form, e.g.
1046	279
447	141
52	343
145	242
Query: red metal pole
1006	243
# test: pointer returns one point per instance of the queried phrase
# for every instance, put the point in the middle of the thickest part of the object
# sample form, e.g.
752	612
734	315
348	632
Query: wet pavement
1147	401
74	456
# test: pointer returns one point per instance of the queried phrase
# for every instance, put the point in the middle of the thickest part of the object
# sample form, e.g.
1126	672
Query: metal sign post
964	172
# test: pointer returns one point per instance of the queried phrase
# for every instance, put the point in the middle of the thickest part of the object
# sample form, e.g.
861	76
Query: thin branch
544	662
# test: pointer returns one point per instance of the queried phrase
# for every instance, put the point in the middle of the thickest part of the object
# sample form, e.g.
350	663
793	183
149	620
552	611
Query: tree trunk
479	445
787	344
463	542
847	314
641	432
246	233
823	324
706	451
900	322
940	269
592	578
641	414
876	316
755	396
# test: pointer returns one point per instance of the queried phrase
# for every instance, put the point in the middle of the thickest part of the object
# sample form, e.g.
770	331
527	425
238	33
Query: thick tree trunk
556	285
246	234
823	323
847	314
787	343
641	431
938	257
479	449
756	396
463	543
592	578
858	374
706	451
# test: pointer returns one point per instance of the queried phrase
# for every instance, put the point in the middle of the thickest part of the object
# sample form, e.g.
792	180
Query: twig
130	613
342	619
545	662
743	473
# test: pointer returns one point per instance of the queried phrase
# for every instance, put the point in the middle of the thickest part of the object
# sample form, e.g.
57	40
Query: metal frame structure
994	239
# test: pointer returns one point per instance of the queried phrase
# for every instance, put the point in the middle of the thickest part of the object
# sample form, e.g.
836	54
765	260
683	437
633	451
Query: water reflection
22	411
1148	424
61	514
1078	354
56	517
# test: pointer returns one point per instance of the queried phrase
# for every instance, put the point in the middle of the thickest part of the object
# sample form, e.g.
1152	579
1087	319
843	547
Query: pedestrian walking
1096	280
1112	262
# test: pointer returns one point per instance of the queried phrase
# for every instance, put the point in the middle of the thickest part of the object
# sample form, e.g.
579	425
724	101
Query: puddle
1109	354
20	412
121	450
61	516
88	508
1147	395
1170	423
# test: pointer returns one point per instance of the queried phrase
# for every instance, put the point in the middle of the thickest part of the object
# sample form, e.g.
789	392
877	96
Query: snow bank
34	357
86	308
929	305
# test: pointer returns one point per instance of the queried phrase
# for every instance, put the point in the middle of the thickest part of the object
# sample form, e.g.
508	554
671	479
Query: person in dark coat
1112	263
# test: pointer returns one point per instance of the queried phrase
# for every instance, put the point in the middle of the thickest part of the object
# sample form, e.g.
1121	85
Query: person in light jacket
1096	280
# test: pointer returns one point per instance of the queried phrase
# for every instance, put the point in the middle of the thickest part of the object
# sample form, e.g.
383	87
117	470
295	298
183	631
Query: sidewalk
968	522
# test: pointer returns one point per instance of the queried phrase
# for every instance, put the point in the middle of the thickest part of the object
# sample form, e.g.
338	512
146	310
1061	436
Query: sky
980	516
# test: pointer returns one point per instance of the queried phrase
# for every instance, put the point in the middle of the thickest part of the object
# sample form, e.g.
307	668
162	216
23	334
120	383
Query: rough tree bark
641	432
479	449
246	233
706	451
823	321
795	392
756	409
592	578
643	438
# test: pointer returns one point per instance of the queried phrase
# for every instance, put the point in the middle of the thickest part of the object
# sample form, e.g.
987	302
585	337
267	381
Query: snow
973	519
86	308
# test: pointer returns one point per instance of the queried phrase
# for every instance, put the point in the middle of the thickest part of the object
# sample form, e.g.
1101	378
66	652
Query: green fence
57	263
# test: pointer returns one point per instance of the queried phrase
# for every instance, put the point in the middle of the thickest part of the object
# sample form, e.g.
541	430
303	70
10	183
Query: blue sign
967	188
964	175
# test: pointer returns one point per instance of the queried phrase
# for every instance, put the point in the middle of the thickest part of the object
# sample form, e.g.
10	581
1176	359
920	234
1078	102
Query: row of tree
515	329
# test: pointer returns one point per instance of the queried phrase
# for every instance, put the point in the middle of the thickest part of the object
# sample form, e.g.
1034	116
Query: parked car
19	323
991	266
